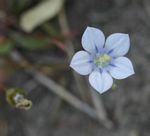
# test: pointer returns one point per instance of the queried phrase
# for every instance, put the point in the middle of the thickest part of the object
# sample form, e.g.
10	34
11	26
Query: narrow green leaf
5	47
30	42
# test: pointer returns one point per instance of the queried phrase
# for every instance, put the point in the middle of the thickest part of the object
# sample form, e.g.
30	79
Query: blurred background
37	41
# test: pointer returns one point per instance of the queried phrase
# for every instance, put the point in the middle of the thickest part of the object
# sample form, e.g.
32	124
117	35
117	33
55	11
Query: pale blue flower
102	59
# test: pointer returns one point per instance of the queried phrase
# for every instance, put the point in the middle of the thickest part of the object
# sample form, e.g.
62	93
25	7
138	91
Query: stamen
106	57
101	60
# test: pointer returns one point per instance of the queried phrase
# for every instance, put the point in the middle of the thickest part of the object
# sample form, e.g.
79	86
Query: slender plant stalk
101	112
98	104
63	93
53	86
70	51
57	89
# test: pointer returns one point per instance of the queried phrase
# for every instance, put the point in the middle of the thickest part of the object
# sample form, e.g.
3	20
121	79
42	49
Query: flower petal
81	63
101	82
118	44
93	39
122	68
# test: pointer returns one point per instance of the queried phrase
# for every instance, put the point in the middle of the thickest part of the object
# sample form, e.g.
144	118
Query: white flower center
101	60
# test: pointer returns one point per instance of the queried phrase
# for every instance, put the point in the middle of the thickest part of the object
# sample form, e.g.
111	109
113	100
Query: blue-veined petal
122	68
101	82
81	63
93	39
118	44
